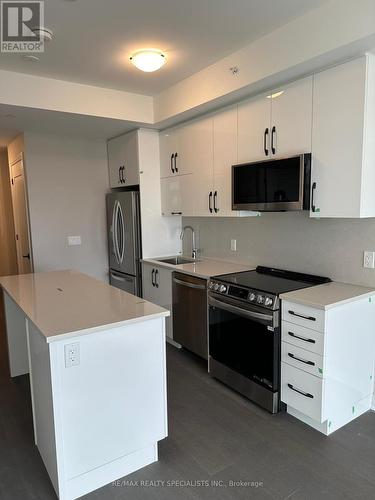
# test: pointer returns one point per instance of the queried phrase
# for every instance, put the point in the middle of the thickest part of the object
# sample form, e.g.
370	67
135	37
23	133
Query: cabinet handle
210	202
176	213
156	278
273	133
306	394
175	162
305	339
215	200
123	174
266	132
313	207
311	363
153	277
310	318
119	175
172	167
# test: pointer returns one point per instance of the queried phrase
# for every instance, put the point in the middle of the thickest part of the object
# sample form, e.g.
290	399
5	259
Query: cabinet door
123	160
254	118
291	121
194	147
197	148
168	148
225	155
338	124
177	195
149	290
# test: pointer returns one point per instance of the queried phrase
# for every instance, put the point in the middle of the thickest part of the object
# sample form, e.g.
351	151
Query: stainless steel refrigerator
124	241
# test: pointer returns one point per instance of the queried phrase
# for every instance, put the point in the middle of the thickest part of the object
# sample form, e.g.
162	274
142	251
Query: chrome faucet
193	249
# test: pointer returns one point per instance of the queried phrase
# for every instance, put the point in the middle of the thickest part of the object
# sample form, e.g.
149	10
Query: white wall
329	247
67	182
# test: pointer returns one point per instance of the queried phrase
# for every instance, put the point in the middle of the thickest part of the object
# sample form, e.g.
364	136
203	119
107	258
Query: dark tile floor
215	437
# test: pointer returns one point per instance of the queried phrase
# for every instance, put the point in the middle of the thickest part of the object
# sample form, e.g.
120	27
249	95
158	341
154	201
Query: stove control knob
268	302
260	299
216	286
222	288
252	297
211	284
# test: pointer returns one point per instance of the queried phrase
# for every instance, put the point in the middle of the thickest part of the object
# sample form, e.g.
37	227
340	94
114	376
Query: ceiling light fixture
148	60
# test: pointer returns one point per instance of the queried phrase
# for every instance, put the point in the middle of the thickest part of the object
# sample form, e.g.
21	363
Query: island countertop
63	303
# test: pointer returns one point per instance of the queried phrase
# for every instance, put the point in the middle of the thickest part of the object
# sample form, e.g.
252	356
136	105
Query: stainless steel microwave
275	185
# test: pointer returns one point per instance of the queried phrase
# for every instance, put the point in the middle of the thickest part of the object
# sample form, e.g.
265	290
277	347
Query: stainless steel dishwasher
190	316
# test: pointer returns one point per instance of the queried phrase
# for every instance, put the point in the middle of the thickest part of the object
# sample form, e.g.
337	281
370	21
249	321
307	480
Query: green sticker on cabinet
317	210
370	299
353	409
320	370
329	424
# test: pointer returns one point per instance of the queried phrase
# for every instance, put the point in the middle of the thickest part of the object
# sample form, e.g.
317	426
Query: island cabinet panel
113	404
16	337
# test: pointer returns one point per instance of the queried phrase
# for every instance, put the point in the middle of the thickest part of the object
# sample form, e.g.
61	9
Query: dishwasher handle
189	285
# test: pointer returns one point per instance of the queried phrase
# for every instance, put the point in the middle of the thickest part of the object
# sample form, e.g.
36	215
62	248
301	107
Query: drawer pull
305	339
311	363
306	394
310	318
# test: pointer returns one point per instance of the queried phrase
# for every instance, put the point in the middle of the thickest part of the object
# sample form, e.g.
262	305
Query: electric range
244	330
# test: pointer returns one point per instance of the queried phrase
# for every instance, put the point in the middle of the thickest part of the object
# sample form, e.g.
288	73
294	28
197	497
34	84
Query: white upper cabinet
176	155
254	123
123	160
343	140
225	155
177	195
277	124
168	149
291	119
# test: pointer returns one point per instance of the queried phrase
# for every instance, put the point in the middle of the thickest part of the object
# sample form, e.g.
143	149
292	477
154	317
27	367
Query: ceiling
17	119
94	38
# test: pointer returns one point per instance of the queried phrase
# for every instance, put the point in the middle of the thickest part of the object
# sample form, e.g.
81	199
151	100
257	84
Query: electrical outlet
369	259
233	245
72	357
74	240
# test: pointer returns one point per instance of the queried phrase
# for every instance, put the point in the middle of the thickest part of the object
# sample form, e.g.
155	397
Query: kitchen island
96	358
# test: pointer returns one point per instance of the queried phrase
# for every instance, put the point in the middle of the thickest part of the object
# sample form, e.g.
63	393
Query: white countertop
204	267
61	303
328	295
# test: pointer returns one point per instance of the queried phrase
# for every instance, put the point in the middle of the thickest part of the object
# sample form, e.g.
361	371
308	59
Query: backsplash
293	241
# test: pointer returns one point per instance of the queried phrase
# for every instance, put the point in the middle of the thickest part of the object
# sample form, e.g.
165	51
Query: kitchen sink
176	261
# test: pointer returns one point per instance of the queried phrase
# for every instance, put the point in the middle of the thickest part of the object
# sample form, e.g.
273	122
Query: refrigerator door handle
117	249
122	226
113	230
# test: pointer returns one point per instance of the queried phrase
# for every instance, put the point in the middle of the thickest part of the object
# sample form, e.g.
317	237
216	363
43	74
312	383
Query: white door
225	155
177	195
123	160
168	150
254	124
291	122
197	156
21	221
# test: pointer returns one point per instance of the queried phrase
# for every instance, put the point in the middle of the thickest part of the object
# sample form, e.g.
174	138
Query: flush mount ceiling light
148	60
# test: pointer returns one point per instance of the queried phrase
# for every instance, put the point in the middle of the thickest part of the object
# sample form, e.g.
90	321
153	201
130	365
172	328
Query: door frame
20	157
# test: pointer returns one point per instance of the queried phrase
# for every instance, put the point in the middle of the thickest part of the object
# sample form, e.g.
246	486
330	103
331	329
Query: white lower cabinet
157	288
327	362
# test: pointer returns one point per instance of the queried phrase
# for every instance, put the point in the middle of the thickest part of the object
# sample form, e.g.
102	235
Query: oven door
246	340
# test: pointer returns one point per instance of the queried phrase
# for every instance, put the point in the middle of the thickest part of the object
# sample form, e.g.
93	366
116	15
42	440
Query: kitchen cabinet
343	145
157	288
123	160
176	195
327	362
277	124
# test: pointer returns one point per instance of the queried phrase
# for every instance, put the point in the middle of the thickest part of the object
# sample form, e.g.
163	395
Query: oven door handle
241	312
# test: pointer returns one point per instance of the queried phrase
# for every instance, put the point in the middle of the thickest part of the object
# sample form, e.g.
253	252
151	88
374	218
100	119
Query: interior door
21	220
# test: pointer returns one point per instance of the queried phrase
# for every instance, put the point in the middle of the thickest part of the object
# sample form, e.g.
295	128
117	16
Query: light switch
74	240
369	259
233	245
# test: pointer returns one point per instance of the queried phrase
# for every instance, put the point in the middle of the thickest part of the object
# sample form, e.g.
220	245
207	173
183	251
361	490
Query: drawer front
302	391
307	361
308	339
299	314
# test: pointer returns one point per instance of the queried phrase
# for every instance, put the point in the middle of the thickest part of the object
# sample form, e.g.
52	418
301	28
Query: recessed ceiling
93	39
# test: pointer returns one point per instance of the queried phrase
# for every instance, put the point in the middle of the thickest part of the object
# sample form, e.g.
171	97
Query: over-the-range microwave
272	185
